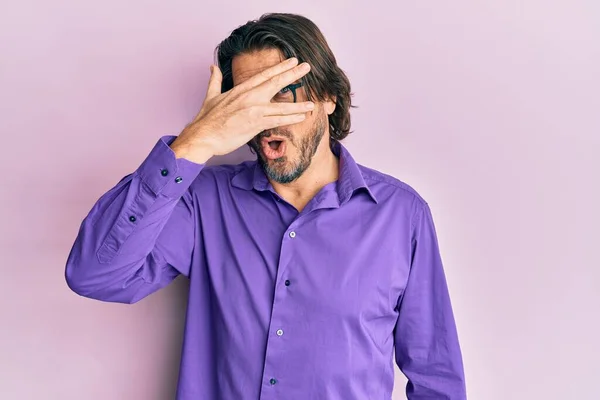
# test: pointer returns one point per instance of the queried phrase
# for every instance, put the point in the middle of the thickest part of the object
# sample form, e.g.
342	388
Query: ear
329	105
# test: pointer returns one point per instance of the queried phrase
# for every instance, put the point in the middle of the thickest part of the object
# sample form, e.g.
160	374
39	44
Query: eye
285	90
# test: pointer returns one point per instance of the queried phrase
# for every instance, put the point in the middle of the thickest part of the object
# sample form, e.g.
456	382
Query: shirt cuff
164	173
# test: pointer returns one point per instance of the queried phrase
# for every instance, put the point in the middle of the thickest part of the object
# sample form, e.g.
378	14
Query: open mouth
273	148
274	144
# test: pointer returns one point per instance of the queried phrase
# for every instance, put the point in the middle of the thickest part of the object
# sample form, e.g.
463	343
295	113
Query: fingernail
310	105
304	67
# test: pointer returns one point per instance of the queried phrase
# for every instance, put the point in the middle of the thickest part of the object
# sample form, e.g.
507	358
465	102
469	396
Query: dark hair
295	36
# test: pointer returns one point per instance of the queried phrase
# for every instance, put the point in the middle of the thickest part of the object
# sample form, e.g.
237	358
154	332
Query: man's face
286	158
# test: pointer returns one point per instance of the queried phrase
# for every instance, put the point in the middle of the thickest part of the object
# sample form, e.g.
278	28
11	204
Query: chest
339	262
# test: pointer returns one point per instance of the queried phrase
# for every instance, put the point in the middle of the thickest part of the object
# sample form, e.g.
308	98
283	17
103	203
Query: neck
323	170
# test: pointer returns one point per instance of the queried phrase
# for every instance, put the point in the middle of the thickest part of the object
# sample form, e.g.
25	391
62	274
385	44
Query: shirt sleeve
140	234
426	342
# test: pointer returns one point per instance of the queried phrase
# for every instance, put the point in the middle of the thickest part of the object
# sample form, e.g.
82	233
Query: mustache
271	132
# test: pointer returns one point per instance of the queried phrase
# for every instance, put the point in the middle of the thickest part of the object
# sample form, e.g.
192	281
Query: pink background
490	109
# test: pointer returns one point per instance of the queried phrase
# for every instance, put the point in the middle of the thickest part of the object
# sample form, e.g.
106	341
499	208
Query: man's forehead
246	65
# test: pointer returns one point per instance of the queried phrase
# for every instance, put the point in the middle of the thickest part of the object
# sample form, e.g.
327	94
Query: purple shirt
282	305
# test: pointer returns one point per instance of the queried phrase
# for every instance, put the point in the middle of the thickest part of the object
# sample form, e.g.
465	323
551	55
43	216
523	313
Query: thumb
214	83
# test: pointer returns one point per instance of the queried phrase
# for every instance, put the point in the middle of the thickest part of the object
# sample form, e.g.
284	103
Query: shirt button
287	282
272	381
164	172
279	332
132	218
178	179
292	234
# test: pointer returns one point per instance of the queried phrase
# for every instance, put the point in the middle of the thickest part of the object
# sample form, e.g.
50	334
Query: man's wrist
198	153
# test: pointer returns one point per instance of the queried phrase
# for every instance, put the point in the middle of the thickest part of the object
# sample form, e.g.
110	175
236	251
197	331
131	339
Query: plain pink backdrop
490	109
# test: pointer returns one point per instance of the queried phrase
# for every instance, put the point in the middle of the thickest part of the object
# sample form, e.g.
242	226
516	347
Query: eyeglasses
287	94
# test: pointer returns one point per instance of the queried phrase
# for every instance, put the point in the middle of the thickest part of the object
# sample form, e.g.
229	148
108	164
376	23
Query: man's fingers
278	82
281	120
288	108
267	74
214	83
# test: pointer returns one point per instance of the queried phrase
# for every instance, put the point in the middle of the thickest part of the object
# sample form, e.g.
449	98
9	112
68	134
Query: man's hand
226	121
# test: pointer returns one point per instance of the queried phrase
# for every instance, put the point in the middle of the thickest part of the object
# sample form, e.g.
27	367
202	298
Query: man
306	269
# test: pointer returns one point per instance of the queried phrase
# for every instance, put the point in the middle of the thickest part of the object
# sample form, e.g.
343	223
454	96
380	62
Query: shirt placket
273	382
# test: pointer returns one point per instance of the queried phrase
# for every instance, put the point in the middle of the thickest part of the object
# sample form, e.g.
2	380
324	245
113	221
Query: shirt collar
350	178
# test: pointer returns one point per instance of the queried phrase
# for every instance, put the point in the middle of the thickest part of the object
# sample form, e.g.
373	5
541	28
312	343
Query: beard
285	170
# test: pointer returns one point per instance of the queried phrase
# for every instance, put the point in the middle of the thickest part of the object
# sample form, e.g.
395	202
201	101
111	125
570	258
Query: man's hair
295	36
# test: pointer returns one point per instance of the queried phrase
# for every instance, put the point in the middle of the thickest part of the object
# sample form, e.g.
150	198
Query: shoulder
397	195
224	175
391	188
227	171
